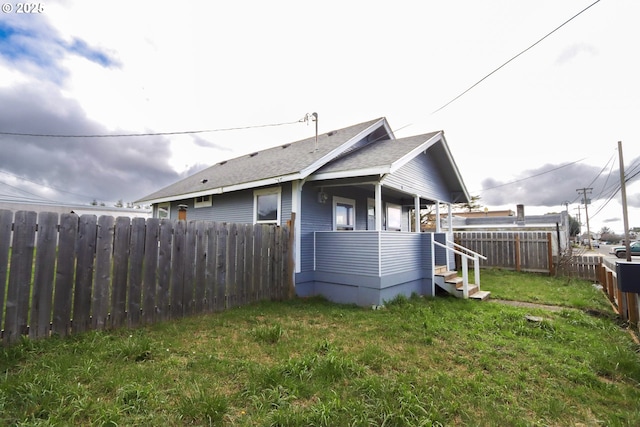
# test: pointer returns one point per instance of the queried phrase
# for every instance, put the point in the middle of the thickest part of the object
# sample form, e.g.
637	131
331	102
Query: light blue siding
355	252
401	252
423	176
369	267
236	207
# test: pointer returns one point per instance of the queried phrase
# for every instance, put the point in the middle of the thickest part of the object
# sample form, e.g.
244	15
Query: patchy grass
418	361
543	289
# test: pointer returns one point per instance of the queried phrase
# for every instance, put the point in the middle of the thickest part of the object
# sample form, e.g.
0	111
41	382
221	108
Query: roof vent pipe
315	119
312	117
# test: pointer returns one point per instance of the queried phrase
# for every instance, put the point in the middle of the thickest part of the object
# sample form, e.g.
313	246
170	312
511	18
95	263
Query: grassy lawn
416	362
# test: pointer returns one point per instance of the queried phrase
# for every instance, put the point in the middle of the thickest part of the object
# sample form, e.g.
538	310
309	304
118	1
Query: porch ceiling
366	185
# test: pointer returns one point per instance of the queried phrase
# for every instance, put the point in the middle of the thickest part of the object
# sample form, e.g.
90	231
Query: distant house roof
509	222
368	148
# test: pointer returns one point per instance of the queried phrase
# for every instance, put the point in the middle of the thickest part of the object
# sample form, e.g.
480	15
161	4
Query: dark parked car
621	251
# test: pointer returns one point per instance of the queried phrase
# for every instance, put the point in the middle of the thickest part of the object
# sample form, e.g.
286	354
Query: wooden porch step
455	282
480	295
440	269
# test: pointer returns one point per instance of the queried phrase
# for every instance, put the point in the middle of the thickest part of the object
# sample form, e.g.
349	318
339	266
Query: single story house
353	191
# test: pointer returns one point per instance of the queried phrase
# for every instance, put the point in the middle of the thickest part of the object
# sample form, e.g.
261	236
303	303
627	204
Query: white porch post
438	227
449	218
378	206
416	219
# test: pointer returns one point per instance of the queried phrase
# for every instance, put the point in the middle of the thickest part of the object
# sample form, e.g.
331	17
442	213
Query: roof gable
387	156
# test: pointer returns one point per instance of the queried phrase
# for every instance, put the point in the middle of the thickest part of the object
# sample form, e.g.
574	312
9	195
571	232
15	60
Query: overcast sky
532	133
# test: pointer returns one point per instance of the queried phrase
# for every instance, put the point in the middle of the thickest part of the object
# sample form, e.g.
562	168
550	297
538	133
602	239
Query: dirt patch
530	305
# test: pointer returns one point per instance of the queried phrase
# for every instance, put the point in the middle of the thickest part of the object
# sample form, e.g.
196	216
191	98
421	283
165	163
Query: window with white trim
164	210
344	213
202	201
394	217
266	206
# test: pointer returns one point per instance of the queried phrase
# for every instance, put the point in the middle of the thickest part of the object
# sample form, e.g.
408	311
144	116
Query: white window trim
205	203
371	204
166	206
266	192
394	206
343	200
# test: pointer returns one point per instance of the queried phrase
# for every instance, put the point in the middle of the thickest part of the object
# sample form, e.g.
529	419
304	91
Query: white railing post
476	270
465	277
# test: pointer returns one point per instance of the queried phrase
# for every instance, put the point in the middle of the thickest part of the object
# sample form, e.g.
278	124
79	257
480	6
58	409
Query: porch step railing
465	254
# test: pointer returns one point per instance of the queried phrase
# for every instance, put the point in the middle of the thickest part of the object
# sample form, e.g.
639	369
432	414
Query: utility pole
624	204
586	211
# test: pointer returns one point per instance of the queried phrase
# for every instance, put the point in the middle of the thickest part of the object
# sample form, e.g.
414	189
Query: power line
516	56
532	176
121	135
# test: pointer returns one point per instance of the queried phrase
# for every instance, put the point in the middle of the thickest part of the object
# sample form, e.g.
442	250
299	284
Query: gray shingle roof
287	159
379	154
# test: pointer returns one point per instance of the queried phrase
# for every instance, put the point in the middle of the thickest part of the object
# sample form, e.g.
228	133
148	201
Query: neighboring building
77	209
353	192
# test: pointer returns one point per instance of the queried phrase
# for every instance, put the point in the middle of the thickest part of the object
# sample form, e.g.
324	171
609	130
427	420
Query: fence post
291	250
550	255
517	252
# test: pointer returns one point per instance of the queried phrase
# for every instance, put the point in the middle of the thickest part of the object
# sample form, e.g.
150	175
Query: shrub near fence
67	274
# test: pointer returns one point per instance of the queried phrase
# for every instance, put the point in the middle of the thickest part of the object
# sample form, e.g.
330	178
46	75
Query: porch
371	267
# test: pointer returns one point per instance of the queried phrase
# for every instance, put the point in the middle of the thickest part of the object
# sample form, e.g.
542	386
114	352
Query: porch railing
466	254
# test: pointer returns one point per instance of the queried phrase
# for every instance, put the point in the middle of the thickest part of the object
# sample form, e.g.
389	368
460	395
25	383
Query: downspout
296	206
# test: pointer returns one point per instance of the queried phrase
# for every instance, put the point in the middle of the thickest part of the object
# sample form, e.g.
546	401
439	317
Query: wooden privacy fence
520	250
527	251
68	274
626	303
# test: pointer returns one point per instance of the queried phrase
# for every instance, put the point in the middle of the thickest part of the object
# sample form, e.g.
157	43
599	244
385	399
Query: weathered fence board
164	269
122	234
136	259
42	295
86	249
6	223
17	303
65	274
150	278
104	249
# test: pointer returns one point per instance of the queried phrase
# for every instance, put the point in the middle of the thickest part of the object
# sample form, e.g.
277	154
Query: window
164	210
344	212
394	217
266	206
202	201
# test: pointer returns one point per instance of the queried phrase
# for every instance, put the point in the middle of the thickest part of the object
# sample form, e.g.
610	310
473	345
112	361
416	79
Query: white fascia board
339	150
415	152
352	173
455	168
220	190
